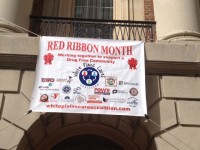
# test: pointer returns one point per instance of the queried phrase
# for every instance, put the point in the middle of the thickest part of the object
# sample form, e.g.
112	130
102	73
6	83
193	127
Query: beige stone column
128	10
16	11
119	9
177	17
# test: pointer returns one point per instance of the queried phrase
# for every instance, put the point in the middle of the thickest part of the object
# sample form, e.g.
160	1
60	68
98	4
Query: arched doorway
87	142
88	128
105	131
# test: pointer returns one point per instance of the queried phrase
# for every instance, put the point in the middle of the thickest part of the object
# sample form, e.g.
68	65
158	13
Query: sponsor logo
47	79
77	90
119	91
105	100
94	99
133	91
89	76
43	87
54	97
117	100
121	82
132	102
67	99
111	81
128	83
54	90
48	58
46	86
50	84
66	89
132	63
61	80
80	98
44	98
103	91
68	79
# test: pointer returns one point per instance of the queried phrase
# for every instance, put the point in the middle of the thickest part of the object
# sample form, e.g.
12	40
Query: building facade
172	53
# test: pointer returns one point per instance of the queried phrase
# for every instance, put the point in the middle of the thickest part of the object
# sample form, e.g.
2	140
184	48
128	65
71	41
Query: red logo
94	99
54	97
48	59
44	98
132	63
47	79
104	91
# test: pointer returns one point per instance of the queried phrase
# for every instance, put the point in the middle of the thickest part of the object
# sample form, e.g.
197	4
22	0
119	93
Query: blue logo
89	76
132	102
66	89
50	84
67	97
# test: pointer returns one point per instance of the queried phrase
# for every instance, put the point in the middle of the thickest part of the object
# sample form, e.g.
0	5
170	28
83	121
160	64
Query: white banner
94	76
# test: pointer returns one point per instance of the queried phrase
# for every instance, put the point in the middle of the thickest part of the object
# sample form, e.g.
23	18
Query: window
94	9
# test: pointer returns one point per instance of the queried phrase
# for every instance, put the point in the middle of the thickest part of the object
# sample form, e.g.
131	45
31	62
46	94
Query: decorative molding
182	35
19	62
28	62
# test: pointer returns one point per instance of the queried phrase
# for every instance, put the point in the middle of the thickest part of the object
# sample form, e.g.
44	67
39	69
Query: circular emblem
77	90
111	81
133	91
44	98
89	76
80	98
66	89
132	102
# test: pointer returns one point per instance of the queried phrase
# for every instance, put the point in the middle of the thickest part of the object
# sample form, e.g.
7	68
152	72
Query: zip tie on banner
14	25
148	119
30	111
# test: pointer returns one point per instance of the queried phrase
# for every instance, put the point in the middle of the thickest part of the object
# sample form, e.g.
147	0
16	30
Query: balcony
94	28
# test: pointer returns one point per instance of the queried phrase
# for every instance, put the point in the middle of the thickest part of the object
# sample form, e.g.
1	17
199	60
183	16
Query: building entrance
56	131
87	142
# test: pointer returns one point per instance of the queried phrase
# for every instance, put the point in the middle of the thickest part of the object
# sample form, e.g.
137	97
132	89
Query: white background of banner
58	89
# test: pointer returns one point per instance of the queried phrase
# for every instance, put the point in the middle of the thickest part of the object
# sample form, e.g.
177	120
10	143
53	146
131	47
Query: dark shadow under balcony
94	28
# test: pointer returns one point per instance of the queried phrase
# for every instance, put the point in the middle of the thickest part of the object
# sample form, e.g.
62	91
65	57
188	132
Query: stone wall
16	11
172	83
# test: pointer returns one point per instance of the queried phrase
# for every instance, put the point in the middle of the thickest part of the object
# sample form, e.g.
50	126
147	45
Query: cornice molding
28	62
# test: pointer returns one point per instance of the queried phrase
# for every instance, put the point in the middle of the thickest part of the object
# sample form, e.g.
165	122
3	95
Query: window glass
94	9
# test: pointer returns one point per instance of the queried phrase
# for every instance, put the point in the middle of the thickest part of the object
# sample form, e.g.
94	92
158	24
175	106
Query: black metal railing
93	28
